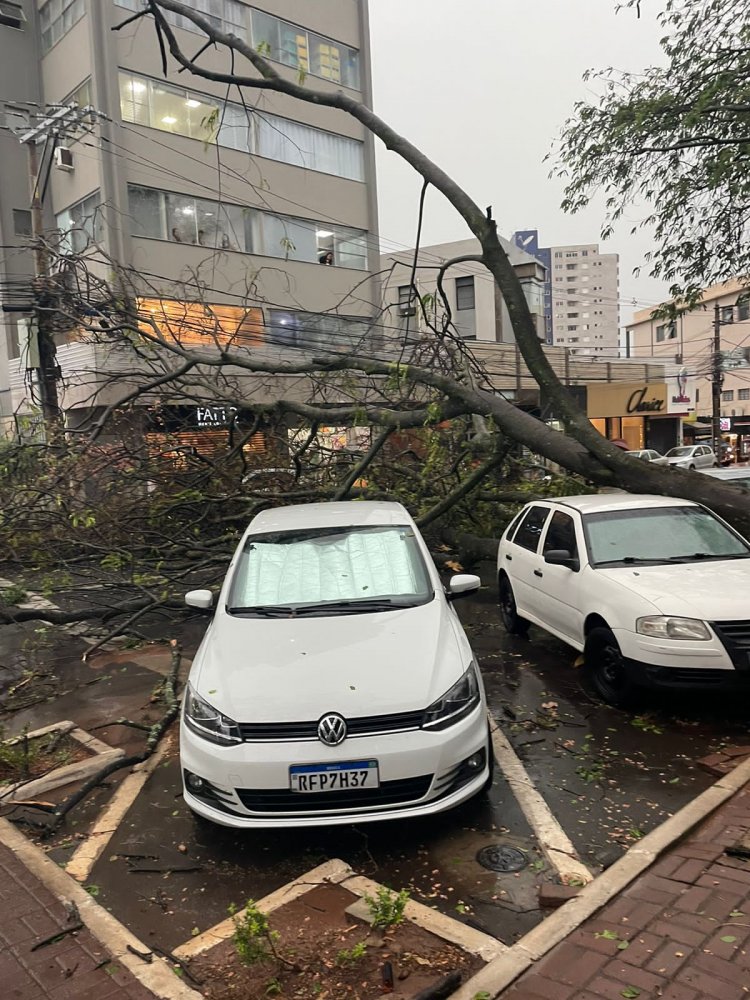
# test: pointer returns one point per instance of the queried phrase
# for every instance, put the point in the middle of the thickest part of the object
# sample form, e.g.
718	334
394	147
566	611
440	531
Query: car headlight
663	627
456	703
208	722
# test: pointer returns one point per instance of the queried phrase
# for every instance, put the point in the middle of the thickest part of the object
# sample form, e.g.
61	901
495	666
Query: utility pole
48	126
716	384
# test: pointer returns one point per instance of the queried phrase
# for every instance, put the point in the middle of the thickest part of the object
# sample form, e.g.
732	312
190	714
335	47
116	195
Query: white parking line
553	840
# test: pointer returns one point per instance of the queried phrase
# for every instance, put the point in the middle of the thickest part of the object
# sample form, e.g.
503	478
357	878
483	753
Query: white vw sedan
335	682
655	591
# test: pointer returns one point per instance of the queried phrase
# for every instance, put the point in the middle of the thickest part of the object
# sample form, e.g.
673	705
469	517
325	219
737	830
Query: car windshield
340	570
660	535
679	452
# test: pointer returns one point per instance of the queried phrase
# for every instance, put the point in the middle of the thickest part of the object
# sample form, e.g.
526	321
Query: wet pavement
608	776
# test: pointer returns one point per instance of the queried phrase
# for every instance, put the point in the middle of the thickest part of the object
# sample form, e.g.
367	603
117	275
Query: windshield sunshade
331	566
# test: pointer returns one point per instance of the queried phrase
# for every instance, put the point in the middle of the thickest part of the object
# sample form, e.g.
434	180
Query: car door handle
538	572
509	558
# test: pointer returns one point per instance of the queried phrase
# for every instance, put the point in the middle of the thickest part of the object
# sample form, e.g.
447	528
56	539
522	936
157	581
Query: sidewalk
76	967
680	932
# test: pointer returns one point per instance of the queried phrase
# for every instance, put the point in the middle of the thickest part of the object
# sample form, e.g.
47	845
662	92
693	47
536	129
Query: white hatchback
692	456
335	682
655	591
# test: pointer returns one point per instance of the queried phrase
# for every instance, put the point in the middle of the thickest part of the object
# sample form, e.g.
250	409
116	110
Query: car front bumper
421	773
680	663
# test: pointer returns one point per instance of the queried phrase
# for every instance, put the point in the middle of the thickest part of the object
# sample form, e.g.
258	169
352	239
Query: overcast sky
483	88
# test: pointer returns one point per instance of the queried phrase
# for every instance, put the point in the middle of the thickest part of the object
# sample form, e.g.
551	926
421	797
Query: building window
465	293
304	50
313	331
743	309
571	254
572	315
727	314
743	394
571	267
162	215
584	253
81	95
22	222
666	331
558	254
229	16
727	396
81	224
573	327
572	340
56	18
11	14
184	112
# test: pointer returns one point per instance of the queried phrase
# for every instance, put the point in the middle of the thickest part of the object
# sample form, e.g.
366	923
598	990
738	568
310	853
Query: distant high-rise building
581	295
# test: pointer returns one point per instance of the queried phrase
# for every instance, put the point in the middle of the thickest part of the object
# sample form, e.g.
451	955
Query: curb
157	977
338	872
504	970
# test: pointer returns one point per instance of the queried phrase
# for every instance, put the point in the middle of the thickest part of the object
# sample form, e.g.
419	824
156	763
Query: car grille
390	793
691	675
735	636
370	725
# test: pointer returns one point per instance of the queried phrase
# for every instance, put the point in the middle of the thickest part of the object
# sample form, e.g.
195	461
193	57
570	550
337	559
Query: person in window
325	257
176	235
202	237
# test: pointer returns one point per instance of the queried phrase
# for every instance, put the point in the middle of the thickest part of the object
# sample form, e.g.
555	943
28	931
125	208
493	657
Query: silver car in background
692	456
649	455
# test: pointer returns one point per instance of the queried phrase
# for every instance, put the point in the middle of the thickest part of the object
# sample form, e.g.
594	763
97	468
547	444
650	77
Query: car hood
685	458
712	591
297	669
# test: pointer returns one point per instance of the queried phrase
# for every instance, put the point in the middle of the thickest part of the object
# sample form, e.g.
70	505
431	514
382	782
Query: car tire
607	670
691	468
514	624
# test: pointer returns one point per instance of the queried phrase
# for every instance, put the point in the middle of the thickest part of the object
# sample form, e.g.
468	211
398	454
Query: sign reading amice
631	399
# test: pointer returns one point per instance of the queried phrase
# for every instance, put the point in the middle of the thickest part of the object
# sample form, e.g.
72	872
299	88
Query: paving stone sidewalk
76	967
680	932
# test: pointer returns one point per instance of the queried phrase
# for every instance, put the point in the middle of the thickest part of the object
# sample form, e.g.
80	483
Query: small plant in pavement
253	937
351	955
387	908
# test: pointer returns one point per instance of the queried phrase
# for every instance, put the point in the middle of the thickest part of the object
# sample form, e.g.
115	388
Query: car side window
530	529
510	530
561	534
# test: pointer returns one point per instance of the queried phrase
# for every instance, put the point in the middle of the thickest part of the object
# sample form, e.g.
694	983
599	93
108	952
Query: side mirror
203	600
462	585
562	557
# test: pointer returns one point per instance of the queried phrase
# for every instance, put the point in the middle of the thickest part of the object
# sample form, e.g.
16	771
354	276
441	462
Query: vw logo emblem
332	730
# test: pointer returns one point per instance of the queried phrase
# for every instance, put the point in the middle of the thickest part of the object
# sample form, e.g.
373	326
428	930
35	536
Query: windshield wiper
376	604
265	611
628	560
709	555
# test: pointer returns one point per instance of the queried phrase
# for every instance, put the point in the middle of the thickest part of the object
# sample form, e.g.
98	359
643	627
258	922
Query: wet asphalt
608	776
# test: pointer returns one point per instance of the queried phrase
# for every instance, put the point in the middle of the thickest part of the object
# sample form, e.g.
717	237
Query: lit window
81	224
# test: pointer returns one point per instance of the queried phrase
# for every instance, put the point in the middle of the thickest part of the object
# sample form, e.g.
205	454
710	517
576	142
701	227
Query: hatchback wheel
514	624
607	669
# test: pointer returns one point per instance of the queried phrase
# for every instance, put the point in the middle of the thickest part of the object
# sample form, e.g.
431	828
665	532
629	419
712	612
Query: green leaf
630	993
607	935
736	913
623	945
728	939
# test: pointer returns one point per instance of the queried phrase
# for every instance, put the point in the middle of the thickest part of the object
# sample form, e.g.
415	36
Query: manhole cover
499	858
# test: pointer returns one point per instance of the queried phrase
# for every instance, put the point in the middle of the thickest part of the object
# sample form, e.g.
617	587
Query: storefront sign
215	416
725	424
640	402
630	399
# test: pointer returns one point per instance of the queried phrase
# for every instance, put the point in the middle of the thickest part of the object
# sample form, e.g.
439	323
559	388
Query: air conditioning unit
11	13
64	158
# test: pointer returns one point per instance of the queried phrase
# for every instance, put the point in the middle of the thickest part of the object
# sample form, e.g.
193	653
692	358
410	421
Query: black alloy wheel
514	624
608	670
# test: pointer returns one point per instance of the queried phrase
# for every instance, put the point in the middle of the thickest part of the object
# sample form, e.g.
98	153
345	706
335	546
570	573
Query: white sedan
654	591
649	455
335	683
692	456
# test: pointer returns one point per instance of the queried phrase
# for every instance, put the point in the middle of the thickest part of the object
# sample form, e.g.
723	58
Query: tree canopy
674	138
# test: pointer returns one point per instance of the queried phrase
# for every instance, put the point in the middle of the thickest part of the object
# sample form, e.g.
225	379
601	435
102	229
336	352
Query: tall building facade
265	205
582	294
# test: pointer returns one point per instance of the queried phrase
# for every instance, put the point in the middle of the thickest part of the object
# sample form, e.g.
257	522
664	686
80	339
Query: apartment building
477	309
688	341
581	295
267	203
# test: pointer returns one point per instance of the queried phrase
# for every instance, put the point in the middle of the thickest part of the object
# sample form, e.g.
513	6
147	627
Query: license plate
334	777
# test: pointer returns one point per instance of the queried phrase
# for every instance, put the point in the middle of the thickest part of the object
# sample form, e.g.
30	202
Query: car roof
598	502
343	513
